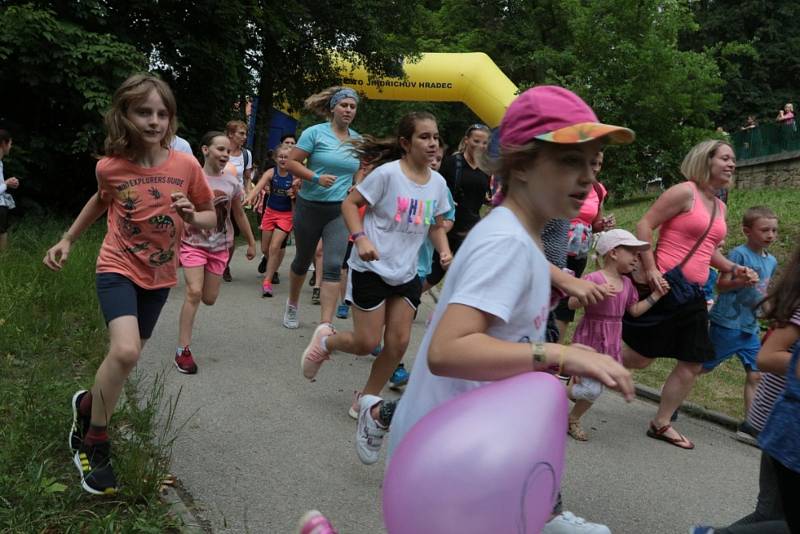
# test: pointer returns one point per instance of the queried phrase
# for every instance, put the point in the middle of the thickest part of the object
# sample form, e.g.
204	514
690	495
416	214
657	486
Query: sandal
576	432
660	434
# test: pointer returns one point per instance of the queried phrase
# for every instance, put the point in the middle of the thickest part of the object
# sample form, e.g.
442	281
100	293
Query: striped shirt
554	240
769	389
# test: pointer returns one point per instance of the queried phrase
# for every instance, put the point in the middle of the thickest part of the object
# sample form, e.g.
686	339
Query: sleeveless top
279	187
781	434
678	235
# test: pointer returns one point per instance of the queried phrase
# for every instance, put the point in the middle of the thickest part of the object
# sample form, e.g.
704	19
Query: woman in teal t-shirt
327	175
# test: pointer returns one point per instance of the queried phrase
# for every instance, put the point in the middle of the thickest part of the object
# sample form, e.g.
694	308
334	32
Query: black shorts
119	296
3	219
668	332
367	291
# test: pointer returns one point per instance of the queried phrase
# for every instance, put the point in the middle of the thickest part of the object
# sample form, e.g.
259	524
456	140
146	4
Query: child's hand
601	367
183	206
657	281
12	182
56	257
587	292
660	292
251	251
745	275
366	250
445	259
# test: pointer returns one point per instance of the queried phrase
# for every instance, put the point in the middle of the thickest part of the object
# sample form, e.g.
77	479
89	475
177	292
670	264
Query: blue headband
341	94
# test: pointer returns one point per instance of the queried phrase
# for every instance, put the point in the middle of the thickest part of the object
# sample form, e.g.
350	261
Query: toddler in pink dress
601	325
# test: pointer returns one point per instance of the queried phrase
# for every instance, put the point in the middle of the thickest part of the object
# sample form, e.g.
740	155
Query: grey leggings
314	221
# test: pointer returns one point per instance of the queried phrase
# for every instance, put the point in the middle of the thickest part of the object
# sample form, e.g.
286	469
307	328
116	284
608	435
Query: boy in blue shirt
734	322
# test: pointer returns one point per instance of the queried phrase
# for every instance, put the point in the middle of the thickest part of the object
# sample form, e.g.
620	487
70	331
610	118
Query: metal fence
766	140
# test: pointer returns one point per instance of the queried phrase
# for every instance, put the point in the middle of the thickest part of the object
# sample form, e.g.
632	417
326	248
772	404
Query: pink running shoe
313	522
266	288
315	355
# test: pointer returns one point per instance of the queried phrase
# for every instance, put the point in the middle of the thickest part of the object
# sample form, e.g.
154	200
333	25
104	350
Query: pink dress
601	325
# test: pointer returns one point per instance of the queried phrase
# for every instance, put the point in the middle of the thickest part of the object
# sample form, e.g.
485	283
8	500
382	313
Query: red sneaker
184	362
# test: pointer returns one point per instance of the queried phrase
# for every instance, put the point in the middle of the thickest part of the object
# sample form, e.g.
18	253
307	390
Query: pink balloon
489	460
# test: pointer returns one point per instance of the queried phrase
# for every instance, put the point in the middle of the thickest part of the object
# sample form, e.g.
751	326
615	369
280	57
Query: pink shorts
214	262
276	219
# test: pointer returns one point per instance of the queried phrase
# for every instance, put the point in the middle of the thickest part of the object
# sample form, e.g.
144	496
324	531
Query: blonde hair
122	133
320	103
696	166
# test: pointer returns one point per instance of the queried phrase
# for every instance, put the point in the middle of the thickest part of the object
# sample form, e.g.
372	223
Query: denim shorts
729	342
119	296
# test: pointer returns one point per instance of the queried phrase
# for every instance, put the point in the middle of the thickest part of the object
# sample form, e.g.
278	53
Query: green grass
52	338
722	390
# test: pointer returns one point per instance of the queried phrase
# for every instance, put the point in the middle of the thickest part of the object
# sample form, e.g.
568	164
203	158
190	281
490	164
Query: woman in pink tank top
682	214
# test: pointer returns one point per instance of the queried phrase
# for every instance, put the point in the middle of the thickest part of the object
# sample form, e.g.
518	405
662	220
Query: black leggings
789	489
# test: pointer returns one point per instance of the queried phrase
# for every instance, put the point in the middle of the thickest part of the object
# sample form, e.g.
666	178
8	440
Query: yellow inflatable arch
471	78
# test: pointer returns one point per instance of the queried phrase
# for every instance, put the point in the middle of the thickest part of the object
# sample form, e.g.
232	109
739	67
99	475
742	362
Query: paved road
262	445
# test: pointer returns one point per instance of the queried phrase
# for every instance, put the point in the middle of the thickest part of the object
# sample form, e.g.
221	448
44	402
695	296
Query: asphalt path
260	445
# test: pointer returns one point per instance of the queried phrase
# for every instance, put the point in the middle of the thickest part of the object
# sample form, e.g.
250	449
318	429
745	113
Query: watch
538	353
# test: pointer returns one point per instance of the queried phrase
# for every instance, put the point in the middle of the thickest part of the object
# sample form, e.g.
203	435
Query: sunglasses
476	126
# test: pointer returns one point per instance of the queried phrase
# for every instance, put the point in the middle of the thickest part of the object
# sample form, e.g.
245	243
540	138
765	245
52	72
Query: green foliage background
670	69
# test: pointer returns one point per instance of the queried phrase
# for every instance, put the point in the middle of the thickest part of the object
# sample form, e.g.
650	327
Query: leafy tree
622	56
757	44
296	41
59	77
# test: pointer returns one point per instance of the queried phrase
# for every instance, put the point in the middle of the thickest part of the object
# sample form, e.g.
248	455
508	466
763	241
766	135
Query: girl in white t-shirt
490	321
406	201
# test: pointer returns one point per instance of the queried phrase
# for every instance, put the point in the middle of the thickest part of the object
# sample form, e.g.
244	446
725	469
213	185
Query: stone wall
777	170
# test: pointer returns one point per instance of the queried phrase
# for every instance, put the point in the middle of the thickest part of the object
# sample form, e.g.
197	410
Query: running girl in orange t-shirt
148	192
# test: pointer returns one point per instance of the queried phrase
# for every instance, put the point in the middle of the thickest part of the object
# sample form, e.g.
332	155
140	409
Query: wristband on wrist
538	355
68	237
355	235
651	299
561	359
315	178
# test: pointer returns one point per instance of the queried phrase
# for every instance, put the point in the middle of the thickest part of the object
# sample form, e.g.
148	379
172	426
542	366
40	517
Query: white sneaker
290	316
369	434
315	355
569	523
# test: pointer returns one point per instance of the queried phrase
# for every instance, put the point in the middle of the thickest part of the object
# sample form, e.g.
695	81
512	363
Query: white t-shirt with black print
501	271
397	221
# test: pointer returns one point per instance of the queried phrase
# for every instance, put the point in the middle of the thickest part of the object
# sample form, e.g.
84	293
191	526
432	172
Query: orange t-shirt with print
144	232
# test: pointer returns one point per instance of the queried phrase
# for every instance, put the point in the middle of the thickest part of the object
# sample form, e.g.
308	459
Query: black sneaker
80	423
315	296
226	274
275	278
262	265
313	280
94	464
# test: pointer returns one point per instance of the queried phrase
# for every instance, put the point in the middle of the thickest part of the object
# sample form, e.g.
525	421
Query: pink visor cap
556	115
